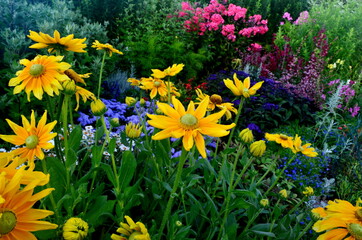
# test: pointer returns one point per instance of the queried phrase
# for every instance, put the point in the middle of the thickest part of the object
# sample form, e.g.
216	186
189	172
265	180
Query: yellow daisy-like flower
42	74
155	85
68	43
305	149
133	130
340	220
75	229
84	94
216	101
190	124
29	175
308	191
34	137
284	140
246	135
242	88
319	212
170	71
258	148
17	217
131	231
105	46
283	193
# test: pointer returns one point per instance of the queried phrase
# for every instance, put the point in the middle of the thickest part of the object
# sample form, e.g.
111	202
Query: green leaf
269	234
127	169
97	155
75	137
112	145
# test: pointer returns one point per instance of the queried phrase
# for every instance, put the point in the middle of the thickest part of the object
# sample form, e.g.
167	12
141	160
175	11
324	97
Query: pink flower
354	111
281	23
186	6
287	16
255	47
228	29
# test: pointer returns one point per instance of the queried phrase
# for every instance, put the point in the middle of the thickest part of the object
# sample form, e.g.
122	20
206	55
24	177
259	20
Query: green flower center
7	222
355	230
36	70
31	141
157	83
189	121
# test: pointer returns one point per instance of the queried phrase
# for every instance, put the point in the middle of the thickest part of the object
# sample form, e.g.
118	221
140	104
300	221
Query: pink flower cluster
230	20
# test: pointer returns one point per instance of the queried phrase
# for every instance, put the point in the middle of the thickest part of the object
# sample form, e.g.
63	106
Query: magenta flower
287	16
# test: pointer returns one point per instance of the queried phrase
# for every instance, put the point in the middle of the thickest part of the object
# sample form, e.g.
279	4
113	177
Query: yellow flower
170	71
34	137
216	101
130	101
340	219
131	231
85	94
319	212
133	130
68	43
264	202
258	148
246	135
305	149
42	74
76	76
157	86
105	46
284	140
98	107
190	124
17	217
75	229
332	66
308	191
283	193
29	175
242	88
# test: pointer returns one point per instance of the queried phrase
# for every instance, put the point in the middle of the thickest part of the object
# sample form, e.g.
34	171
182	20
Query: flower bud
69	87
98	107
258	148
264	202
283	193
133	130
130	101
142	102
246	135
114	122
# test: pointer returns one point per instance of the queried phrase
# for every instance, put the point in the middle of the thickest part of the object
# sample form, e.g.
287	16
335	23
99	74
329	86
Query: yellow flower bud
142	101
98	107
130	101
75	228
133	130
114	122
264	202
258	148
283	193
246	135
69	87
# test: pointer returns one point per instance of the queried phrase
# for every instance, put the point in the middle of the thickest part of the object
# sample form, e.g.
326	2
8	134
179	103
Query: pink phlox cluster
287	16
220	16
354	110
236	11
255	47
215	21
303	18
229	31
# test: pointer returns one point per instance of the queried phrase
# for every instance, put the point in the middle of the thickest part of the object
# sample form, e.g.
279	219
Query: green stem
251	222
280	174
272	215
304	230
65	135
230	190
166	215
168	90
100	74
246	166
296	206
265	174
229	141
